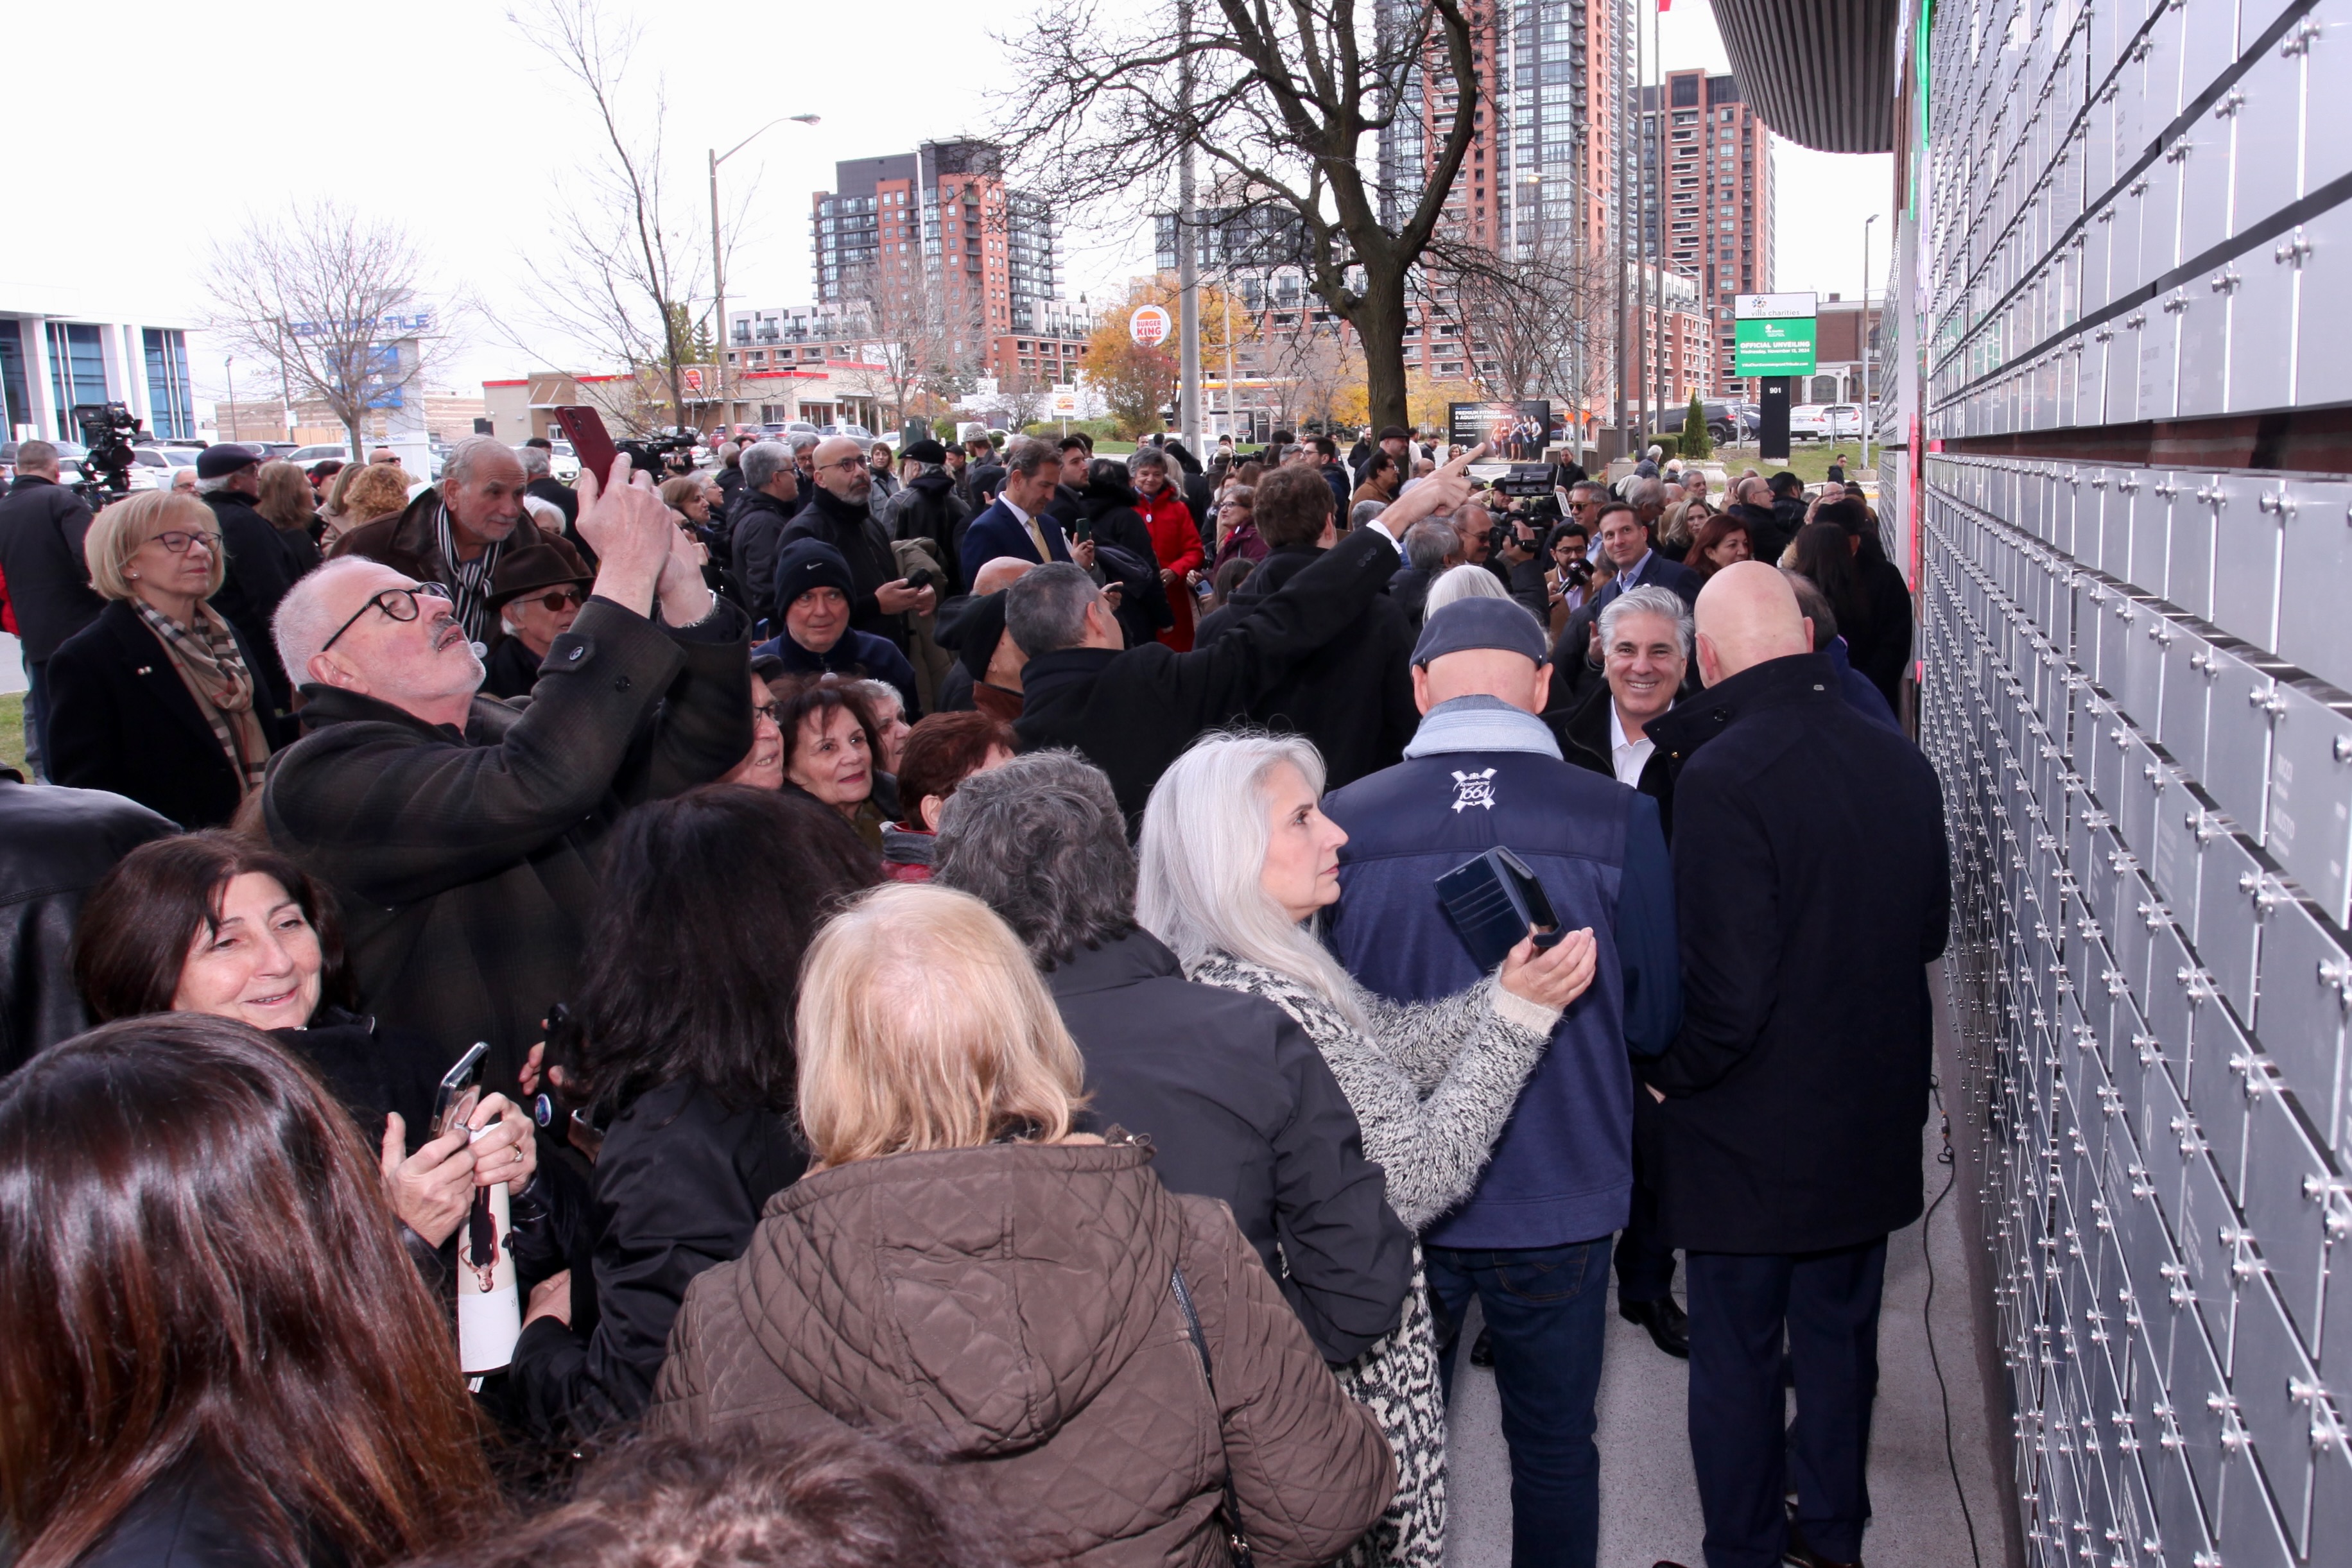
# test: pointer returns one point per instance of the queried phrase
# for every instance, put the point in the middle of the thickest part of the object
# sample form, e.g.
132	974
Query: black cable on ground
1928	1322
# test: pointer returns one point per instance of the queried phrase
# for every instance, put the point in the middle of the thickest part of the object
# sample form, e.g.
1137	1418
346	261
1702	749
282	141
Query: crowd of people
1026	1002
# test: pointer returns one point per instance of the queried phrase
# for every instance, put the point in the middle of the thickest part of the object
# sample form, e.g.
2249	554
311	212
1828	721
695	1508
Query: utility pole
1623	219
1866	338
1658	229
1188	282
718	259
228	369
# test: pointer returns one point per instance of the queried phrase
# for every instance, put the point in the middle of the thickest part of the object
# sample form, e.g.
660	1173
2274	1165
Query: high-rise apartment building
936	233
1539	177
1707	157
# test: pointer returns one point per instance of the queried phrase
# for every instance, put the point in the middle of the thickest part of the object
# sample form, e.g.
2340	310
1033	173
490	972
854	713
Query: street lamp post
719	256
1866	409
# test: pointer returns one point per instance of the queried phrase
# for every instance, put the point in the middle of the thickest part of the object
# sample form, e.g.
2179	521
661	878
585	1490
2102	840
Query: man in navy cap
813	596
260	565
1531	1243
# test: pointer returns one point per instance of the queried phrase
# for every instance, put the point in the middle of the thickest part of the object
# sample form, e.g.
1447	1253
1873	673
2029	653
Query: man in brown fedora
535	593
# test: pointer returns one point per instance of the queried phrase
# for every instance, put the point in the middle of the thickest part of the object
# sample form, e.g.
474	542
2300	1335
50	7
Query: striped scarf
469	581
214	672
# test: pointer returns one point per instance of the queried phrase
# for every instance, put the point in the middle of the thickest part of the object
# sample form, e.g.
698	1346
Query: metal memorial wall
2134	668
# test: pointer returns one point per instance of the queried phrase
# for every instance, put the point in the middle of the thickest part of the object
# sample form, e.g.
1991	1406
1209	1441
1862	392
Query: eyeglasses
177	541
553	603
847	465
767	712
397	604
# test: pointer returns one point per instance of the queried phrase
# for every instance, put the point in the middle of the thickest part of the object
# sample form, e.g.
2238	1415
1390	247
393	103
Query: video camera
650	453
107	430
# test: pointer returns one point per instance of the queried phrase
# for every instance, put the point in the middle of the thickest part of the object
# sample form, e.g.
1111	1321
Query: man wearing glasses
457	532
458	831
837	515
536	595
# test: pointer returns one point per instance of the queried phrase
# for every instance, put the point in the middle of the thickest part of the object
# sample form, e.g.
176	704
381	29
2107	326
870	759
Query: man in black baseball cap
1485	772
927	506
261	565
814	589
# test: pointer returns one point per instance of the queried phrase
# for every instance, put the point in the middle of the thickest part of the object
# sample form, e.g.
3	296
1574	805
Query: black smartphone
460	1091
1084	532
591	442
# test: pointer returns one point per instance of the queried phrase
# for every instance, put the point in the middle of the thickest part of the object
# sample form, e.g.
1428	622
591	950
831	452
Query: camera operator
41	529
837	515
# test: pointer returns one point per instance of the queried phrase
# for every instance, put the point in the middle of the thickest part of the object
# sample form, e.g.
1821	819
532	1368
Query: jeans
1546	1310
37	721
1826	1304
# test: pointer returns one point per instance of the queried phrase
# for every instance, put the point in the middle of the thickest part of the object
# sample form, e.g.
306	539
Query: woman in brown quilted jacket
961	1269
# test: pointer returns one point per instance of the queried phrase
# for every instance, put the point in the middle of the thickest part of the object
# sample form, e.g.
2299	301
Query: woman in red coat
1175	539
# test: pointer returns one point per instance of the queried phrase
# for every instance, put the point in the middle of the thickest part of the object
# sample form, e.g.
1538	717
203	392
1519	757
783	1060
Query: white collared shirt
1629	755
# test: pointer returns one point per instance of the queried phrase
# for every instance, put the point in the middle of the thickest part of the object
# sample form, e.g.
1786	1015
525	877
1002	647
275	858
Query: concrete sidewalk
1649	1501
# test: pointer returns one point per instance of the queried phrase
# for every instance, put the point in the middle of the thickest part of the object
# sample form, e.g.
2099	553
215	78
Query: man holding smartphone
458	831
837	515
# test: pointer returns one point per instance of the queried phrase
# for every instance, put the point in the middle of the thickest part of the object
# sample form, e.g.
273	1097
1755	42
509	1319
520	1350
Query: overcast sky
438	114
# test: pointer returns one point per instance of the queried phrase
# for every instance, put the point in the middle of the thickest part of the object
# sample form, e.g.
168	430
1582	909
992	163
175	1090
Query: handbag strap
1236	1538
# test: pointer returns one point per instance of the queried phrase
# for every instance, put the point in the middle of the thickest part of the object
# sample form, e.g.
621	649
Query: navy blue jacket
1813	886
858	653
1657	570
1562	1170
997	531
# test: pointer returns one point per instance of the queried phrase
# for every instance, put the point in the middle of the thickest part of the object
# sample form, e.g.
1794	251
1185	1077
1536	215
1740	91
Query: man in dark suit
1015	523
1625	539
41	529
1813	887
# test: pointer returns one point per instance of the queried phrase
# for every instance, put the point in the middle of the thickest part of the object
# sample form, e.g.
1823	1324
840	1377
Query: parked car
858	433
1825	422
157	462
562	462
330	452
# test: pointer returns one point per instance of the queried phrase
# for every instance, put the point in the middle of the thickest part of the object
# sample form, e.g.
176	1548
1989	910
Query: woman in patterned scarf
154	699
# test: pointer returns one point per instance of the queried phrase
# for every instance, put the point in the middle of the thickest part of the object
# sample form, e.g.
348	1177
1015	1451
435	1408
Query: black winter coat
679	1186
261	567
1811	886
865	546
1882	651
1583	733
1111	519
927	508
1131	713
55	844
41	529
757	527
511	671
1240	1106
1352	696
374	1072
120	718
1409	592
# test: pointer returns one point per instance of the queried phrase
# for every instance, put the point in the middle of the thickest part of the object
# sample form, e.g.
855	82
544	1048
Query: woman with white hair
1463	581
1233	893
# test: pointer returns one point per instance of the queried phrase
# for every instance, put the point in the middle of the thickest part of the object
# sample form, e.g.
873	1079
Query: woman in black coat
1108	505
160	698
684	1060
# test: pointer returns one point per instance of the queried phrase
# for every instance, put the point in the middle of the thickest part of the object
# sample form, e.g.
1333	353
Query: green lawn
12	729
1807	460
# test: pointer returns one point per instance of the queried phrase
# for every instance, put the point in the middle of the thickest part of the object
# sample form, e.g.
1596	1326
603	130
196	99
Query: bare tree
624	262
909	339
1537	319
1305	371
1282	101
323	293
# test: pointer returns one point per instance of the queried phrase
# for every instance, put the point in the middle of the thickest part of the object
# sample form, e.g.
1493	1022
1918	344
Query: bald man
837	514
1812	891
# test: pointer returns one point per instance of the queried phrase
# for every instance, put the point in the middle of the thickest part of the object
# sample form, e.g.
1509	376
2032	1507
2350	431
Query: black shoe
1482	1349
1796	1554
1668	1324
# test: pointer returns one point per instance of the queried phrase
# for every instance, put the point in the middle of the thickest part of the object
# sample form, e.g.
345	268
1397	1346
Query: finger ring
517	1153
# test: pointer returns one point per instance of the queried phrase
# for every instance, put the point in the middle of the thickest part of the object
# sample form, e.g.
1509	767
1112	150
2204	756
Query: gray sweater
1431	1085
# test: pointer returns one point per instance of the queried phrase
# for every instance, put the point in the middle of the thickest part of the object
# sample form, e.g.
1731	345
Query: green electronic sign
1774	346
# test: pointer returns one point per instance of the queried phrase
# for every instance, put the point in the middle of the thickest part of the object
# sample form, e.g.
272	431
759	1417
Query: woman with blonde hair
361	493
157	699
1237	859
962	1269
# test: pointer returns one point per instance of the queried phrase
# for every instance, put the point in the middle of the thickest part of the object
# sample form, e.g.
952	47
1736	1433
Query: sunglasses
554	604
397	604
